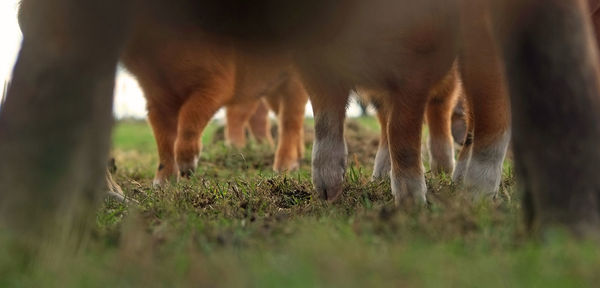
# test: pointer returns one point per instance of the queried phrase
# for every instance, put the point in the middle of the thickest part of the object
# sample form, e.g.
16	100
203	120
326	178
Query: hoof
187	167
186	173
404	188
328	180
330	195
164	174
383	164
286	166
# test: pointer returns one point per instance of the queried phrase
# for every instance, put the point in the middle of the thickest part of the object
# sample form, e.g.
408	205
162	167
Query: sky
129	99
10	36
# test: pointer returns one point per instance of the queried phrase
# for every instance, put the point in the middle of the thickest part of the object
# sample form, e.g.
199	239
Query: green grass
237	224
136	135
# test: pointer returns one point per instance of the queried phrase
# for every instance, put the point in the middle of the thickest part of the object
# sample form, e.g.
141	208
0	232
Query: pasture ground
237	224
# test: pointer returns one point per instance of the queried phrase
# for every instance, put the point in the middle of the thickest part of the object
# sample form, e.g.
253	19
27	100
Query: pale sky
10	36
129	99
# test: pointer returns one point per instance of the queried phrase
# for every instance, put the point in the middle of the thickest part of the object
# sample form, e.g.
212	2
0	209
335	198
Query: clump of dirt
362	141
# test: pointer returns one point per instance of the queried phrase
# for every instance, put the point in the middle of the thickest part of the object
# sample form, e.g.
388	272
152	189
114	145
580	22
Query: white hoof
413	187
383	164
329	168
484	171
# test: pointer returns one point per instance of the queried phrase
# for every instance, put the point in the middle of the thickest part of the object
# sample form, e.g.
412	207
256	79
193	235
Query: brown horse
440	104
238	123
71	49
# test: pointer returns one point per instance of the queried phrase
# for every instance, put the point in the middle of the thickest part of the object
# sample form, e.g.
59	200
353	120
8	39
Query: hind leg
383	164
163	120
439	114
459	119
193	117
259	123
237	115
274	104
462	162
290	146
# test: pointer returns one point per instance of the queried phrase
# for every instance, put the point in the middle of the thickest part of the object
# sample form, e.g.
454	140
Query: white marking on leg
329	158
461	166
186	168
484	171
157	182
383	164
406	186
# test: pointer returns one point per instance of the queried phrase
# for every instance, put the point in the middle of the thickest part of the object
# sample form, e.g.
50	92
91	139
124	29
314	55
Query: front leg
404	139
238	114
553	79
329	148
55	125
440	107
290	145
163	119
260	124
483	81
194	115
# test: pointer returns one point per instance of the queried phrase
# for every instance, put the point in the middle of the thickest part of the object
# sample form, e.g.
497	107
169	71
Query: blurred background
129	99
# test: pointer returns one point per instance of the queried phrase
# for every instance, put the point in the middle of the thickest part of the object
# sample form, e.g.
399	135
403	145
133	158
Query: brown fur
259	126
459	119
288	106
188	77
440	104
440	107
481	74
404	47
238	117
418	52
487	101
405	99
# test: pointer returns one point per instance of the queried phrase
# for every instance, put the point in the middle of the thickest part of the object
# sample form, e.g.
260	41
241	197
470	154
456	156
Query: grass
237	224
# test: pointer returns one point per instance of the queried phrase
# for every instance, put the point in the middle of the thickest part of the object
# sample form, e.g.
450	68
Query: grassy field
238	224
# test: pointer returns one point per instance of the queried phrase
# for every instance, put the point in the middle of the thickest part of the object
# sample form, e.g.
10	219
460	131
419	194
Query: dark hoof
187	173
330	195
